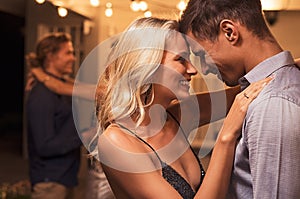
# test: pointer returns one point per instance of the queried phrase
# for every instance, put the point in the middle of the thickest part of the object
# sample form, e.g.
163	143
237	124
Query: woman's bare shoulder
121	138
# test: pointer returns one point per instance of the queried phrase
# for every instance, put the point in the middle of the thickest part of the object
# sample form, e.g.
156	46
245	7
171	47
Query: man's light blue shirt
267	160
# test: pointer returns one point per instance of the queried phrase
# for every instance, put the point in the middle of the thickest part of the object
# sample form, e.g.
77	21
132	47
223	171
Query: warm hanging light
148	13
95	3
135	6
181	5
138	5
273	4
271	9
40	1
143	5
62	12
108	10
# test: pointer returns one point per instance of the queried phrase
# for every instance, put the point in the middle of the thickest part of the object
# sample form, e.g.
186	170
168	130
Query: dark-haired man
235	35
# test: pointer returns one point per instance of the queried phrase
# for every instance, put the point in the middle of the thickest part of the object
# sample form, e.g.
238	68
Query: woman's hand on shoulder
234	120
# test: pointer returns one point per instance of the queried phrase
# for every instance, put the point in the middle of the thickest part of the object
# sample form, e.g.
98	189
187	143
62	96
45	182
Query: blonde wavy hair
132	62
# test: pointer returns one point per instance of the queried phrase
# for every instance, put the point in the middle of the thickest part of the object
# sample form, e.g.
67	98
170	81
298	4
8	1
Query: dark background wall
12	72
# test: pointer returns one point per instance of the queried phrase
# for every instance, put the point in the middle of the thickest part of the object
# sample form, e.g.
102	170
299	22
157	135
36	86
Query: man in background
54	145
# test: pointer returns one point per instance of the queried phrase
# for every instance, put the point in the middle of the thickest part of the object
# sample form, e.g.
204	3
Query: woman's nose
191	69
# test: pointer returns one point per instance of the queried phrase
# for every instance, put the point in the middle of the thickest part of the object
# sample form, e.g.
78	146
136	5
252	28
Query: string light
274	4
40	1
95	3
138	6
134	6
148	13
181	5
62	12
108	10
143	5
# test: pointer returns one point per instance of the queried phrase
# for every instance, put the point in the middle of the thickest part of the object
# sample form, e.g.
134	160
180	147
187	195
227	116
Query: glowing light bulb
143	5
135	6
108	12
40	1
273	4
181	5
95	3
62	12
148	13
108	5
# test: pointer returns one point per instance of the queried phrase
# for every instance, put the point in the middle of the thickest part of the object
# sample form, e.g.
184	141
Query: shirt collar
266	68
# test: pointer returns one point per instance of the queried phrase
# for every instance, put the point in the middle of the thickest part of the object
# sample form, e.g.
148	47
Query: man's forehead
192	41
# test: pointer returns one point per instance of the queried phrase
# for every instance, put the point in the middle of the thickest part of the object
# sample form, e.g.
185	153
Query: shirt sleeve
49	139
273	140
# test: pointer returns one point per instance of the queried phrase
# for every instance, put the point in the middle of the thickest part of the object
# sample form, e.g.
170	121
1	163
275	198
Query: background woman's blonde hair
133	60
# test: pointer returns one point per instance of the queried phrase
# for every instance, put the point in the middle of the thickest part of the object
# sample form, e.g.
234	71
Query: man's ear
229	29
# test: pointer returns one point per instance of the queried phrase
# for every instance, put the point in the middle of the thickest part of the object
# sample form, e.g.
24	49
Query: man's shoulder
284	87
39	89
286	83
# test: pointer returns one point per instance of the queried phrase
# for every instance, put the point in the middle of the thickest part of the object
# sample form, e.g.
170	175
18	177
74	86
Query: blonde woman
146	113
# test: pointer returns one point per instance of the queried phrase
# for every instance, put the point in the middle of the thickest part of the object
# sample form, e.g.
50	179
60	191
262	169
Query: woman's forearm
215	105
82	90
212	106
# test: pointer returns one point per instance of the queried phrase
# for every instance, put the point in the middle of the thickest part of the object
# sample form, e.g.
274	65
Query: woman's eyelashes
181	59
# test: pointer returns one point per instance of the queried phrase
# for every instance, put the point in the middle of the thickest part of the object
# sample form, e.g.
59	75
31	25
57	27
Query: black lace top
170	174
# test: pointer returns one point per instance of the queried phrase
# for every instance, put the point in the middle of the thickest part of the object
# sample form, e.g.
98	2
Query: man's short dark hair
203	17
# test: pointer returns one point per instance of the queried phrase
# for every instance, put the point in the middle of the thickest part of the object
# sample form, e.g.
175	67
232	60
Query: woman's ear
229	29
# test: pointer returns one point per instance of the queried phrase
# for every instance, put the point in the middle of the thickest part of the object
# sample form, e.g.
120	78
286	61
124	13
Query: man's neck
258	51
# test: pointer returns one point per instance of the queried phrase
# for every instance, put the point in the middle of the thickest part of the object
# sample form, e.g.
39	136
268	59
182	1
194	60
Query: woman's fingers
252	91
234	120
30	82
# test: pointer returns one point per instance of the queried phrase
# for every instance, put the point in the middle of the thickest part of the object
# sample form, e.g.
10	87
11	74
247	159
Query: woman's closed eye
181	59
